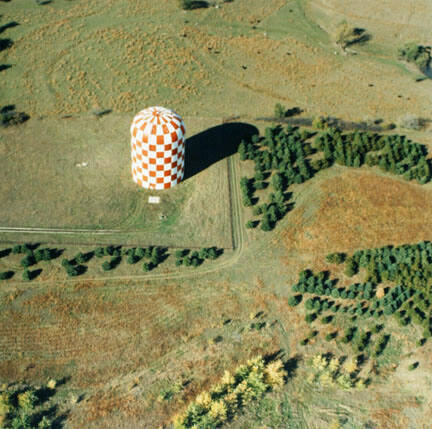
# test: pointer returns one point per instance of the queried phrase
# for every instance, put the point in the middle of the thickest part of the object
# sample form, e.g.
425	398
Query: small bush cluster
234	391
196	258
417	54
328	371
347	35
9	116
26	408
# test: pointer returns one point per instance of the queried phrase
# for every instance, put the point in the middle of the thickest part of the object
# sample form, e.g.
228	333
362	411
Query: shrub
310	317
132	258
26	275
327	319
294	300
72	271
279	111
99	252
179	253
17	249
109	250
336	258
28	261
106	265
329	336
347	35
417	54
80	258
147	266
413	366
250	224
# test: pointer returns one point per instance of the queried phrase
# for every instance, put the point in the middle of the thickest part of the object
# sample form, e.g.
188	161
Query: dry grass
360	209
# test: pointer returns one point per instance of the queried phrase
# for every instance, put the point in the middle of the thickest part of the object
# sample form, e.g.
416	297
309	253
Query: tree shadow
214	144
5	67
5	44
360	37
8	25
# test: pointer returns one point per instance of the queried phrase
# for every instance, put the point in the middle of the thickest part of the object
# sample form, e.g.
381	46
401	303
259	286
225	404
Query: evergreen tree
242	150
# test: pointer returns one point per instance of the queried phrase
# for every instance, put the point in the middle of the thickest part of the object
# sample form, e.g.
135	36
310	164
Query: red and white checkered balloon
158	148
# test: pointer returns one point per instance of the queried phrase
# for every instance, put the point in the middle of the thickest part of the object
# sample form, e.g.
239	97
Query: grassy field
131	352
52	190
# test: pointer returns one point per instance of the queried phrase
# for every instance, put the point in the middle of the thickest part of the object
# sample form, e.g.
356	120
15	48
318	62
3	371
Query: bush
99	252
179	253
294	300
132	258
72	271
279	111
417	54
327	319
351	267
26	275
28	261
250	224
413	366
17	249
347	35
310	317
336	258
106	266
147	266
80	258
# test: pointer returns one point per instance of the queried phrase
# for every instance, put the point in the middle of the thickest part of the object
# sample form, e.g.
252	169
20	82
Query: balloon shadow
214	144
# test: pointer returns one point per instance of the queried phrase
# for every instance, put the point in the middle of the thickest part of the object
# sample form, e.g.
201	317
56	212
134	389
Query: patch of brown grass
360	209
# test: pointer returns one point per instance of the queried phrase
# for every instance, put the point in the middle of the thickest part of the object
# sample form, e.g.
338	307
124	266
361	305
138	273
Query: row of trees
194	259
394	153
75	266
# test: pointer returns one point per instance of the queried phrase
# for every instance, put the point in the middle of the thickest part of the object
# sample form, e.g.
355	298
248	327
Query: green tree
28	261
242	151
279	111
146	267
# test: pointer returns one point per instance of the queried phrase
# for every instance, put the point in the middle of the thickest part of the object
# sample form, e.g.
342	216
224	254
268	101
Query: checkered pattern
158	148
